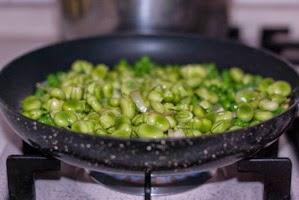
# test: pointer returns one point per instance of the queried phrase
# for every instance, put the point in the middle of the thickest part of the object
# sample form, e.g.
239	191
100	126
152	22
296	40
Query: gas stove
272	174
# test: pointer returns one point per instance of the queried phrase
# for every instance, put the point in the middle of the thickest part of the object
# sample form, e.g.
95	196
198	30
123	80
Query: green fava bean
268	105
206	125
57	93
157	106
245	96
237	74
199	111
64	118
74	105
54	105
83	126
107	120
264	84
227	115
94	103
280	88
263	115
149	131
127	107
155	96
158	121
183	116
221	126
245	112
31	103
33	114
171	121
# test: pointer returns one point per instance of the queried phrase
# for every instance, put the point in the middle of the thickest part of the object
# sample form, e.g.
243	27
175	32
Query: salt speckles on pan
213	156
205	152
112	157
163	142
88	146
148	148
121	145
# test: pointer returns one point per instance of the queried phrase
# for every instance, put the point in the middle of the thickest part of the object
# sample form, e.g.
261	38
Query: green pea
268	105
83	126
245	112
221	126
46	119
31	103
127	107
64	118
149	131
158	121
237	74
280	88
262	115
240	123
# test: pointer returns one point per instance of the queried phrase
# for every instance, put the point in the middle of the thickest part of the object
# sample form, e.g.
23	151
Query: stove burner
159	185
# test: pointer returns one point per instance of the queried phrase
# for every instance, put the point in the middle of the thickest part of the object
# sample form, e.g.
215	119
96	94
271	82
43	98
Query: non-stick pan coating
18	78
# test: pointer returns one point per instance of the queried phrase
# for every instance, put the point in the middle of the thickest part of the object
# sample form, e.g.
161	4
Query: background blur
26	24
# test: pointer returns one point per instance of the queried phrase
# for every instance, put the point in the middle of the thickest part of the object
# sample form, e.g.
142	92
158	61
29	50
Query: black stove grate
22	170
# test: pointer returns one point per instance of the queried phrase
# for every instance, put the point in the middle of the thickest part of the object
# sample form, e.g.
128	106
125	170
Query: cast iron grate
22	170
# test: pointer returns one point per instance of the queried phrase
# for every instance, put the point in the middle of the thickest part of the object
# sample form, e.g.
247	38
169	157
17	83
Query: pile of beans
148	100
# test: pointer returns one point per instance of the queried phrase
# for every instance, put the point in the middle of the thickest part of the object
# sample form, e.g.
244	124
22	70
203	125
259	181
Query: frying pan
134	156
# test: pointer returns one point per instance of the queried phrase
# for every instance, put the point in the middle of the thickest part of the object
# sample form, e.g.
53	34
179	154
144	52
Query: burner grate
276	172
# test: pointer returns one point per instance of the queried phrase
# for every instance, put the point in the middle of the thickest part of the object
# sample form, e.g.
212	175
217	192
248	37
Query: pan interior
18	78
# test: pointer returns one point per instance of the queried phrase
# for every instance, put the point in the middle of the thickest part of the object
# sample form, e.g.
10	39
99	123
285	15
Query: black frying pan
165	156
